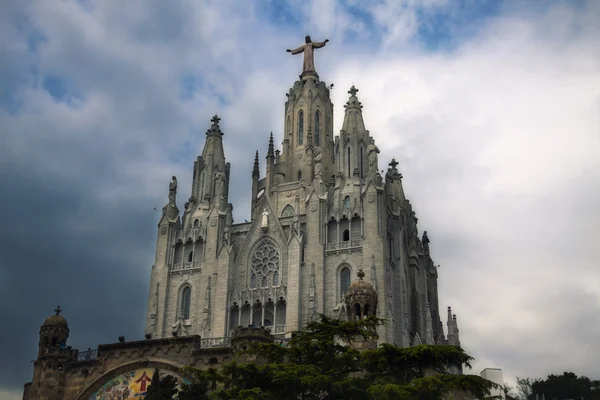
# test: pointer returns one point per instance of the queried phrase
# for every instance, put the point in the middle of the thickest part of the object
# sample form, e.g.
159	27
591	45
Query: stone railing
87	355
215	342
185	267
278	329
344	246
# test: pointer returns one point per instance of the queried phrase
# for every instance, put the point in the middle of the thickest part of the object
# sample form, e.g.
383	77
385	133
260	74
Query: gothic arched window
253	281
288	211
190	256
299	175
186	297
346	235
344	280
300	127
349	172
347	202
265	263
317	128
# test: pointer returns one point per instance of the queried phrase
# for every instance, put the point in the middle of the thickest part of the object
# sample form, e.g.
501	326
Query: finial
271	151
393	163
353	90
215	119
360	274
58	310
255	169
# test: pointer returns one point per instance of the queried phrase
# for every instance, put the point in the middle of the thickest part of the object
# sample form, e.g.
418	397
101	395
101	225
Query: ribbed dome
56	319
360	286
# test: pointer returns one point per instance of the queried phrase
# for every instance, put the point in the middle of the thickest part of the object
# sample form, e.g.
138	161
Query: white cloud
498	140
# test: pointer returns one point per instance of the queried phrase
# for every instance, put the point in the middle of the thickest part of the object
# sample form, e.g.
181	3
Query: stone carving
173	190
308	49
372	152
264	223
318	165
311	294
220	185
205	326
341	310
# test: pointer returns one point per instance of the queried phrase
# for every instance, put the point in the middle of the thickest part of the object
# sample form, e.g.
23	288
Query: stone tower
321	212
53	357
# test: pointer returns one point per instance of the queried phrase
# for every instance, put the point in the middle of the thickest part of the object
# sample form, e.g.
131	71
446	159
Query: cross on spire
215	120
58	310
360	274
353	90
393	163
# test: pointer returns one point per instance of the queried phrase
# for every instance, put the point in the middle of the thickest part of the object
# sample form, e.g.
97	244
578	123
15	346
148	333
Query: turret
53	357
361	302
270	163
357	153
211	172
255	177
308	123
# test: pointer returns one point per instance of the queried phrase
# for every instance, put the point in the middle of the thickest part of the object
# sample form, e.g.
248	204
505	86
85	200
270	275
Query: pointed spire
441	337
455	325
353	120
271	150
450	327
255	170
214	130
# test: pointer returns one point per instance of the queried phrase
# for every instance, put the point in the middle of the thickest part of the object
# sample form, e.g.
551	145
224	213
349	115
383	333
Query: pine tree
320	362
161	388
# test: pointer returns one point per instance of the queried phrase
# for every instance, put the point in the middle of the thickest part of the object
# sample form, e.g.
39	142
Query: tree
320	362
567	386
524	388
161	387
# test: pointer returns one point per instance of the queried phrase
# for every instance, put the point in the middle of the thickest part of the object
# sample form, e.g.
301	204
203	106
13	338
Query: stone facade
322	214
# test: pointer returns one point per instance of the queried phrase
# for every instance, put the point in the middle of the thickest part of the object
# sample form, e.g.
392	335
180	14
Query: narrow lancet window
317	129
300	128
186	297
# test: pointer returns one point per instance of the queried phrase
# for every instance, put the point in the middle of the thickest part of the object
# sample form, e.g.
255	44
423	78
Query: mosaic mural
131	385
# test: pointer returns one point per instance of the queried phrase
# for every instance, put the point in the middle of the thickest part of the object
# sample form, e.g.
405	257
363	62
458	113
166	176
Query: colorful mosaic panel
131	385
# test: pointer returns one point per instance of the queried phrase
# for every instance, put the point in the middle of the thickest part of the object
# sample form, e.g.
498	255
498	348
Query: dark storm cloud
100	105
60	245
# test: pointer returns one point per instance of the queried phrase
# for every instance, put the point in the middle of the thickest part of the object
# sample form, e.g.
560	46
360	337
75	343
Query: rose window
265	265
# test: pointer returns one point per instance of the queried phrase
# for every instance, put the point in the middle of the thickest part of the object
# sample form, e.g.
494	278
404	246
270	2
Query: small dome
360	286
56	319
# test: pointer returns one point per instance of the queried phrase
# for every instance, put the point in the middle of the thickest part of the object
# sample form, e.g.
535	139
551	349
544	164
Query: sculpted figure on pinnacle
308	49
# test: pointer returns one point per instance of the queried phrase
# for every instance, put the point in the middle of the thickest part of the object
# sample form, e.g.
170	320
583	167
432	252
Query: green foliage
319	363
566	386
161	387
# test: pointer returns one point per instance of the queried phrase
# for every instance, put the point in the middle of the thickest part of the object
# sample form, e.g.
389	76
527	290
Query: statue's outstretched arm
316	45
297	51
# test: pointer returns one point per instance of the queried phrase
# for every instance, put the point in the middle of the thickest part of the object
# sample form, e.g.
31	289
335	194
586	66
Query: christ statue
308	49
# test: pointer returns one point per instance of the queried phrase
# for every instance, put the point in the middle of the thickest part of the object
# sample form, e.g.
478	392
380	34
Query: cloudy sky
492	109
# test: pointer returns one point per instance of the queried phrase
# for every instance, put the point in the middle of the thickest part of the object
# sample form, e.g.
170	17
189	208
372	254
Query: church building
330	233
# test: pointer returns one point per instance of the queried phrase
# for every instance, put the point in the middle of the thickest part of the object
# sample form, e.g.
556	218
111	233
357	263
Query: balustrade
87	355
347	245
215	342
